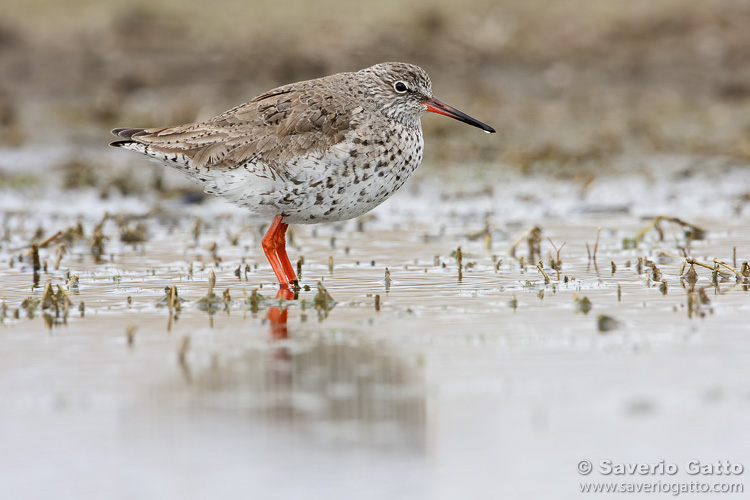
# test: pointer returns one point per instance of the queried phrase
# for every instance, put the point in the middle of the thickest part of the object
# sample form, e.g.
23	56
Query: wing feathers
277	126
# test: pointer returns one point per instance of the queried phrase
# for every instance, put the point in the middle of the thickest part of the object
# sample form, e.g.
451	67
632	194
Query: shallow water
488	385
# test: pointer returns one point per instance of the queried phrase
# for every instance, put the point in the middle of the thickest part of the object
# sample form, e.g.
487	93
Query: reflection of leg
278	317
270	248
281	251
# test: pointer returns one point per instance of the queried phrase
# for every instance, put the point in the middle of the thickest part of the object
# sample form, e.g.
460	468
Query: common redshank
321	150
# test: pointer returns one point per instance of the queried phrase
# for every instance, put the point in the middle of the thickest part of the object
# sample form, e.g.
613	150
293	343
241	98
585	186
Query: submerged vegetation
83	261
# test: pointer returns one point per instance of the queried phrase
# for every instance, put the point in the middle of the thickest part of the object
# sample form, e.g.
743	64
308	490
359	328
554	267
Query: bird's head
403	92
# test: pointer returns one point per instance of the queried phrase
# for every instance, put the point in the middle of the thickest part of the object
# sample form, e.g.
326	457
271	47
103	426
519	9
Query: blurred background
565	82
489	384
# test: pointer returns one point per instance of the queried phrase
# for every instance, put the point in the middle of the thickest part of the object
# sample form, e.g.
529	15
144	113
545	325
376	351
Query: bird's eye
400	87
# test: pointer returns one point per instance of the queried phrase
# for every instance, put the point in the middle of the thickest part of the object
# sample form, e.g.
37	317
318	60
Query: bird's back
278	126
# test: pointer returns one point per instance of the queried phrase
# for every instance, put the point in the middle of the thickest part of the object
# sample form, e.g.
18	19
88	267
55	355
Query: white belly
332	187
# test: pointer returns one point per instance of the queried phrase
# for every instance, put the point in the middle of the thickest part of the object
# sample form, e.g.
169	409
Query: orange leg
281	252
274	246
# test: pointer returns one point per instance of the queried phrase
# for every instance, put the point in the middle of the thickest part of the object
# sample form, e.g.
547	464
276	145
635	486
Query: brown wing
276	126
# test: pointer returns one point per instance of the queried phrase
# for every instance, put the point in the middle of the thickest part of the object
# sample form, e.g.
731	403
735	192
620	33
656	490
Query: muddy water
479	380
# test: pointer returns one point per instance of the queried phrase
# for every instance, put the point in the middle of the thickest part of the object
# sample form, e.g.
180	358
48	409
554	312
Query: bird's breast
343	182
355	176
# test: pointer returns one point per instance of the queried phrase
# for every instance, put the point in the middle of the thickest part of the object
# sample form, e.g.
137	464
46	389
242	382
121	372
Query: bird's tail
125	135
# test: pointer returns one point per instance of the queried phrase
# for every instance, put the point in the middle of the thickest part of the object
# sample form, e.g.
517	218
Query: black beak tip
435	106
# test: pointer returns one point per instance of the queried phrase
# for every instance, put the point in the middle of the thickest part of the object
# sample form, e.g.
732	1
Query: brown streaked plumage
320	150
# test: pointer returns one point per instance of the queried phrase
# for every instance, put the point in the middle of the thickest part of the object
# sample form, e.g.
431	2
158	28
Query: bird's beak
435	106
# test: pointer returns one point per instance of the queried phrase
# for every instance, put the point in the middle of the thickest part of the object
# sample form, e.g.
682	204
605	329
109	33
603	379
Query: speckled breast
347	180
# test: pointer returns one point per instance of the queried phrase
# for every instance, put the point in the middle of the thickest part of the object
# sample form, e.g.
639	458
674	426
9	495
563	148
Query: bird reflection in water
277	316
339	385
